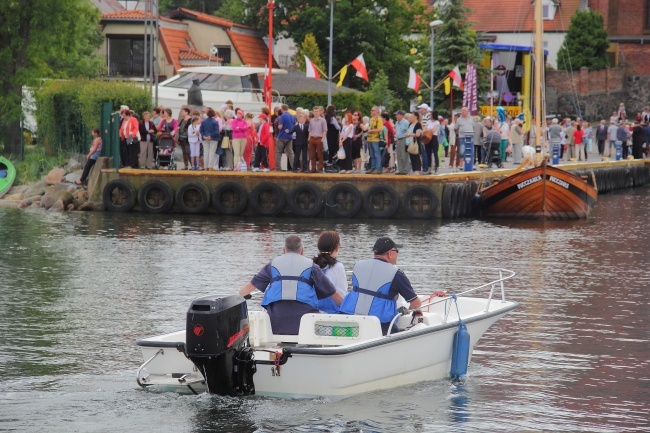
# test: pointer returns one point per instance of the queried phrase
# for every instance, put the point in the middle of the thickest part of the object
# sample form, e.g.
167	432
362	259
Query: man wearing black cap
376	284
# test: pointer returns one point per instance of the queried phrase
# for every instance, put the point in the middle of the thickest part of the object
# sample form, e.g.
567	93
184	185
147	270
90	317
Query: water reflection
77	290
458	408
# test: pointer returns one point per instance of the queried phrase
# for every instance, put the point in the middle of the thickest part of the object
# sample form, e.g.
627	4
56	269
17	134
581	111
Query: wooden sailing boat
543	192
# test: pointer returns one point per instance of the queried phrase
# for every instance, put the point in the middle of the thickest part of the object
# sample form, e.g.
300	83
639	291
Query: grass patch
36	165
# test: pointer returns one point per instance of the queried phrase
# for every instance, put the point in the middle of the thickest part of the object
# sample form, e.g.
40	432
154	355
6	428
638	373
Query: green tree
455	45
380	29
381	94
235	11
40	39
585	44
205	6
309	48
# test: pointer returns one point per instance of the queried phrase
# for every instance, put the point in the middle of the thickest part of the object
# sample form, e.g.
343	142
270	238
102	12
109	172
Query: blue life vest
291	280
328	305
371	280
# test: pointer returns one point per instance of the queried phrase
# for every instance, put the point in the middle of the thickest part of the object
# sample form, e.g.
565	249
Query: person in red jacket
262	148
129	137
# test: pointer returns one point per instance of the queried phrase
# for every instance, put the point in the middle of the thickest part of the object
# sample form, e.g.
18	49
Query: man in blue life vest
292	285
376	284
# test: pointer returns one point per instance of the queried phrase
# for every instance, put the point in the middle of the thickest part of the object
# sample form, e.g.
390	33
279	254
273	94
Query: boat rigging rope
455	298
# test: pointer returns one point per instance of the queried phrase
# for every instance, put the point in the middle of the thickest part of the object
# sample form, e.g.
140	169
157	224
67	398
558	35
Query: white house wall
204	35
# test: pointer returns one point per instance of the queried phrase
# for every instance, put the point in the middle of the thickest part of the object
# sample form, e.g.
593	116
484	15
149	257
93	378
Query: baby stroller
491	149
165	154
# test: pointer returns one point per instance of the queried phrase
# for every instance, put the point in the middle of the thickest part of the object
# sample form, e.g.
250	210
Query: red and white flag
310	69
414	80
456	78
360	66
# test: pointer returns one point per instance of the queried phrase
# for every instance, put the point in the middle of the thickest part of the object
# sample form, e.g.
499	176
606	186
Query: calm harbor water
78	289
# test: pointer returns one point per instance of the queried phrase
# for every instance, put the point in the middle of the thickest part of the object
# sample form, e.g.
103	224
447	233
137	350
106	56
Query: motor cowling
216	339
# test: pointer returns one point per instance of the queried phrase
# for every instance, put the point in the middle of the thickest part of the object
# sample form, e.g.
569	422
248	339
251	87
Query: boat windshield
217	82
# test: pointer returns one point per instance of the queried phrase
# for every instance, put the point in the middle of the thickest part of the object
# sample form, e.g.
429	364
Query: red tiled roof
133	15
210	19
187	54
176	48
515	16
251	49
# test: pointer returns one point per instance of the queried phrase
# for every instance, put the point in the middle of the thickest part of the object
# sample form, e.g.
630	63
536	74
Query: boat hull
426	355
8	175
422	353
540	193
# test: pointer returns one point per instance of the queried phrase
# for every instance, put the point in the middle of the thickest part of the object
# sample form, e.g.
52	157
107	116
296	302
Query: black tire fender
414	202
230	198
466	204
193	198
380	201
268	199
305	200
456	201
344	200
119	196
156	196
447	201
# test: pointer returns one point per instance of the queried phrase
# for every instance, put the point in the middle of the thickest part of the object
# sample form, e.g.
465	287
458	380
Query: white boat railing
459	271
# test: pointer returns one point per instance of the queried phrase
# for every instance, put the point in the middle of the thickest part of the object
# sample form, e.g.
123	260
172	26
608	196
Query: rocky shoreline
56	192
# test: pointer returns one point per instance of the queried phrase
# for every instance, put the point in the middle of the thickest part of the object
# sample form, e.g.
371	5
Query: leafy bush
67	110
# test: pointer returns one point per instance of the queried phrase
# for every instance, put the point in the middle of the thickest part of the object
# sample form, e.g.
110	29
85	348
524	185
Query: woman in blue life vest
329	244
376	285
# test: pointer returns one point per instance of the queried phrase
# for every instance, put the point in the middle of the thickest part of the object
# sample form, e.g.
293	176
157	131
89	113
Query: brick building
628	24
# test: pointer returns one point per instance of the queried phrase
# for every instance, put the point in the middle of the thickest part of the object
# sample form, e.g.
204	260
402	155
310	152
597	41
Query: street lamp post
433	25
329	67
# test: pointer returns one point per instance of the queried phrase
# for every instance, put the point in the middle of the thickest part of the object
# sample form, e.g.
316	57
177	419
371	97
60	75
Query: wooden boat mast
539	83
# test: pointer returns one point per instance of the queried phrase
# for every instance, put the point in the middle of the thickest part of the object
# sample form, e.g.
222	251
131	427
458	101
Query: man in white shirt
424	111
611	137
504	130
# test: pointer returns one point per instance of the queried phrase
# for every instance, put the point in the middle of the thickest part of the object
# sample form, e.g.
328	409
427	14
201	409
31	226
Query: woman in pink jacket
129	136
239	128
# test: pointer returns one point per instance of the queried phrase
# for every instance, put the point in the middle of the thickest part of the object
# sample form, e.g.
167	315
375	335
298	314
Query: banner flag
343	73
310	69
457	78
470	95
414	80
447	85
360	66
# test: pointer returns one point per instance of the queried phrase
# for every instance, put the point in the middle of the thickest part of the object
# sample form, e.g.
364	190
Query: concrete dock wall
447	196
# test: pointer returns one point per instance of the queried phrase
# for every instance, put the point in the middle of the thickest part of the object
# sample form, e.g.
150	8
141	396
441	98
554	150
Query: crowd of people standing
324	139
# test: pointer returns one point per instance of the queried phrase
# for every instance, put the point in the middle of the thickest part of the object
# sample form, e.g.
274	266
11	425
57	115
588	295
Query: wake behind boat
228	350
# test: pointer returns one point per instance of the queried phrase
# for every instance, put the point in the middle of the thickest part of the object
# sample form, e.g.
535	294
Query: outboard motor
216	342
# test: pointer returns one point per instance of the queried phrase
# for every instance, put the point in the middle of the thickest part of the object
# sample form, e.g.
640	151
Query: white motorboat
229	350
240	84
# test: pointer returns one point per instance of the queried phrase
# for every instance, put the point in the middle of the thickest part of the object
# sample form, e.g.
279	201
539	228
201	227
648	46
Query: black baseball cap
384	244
399	112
